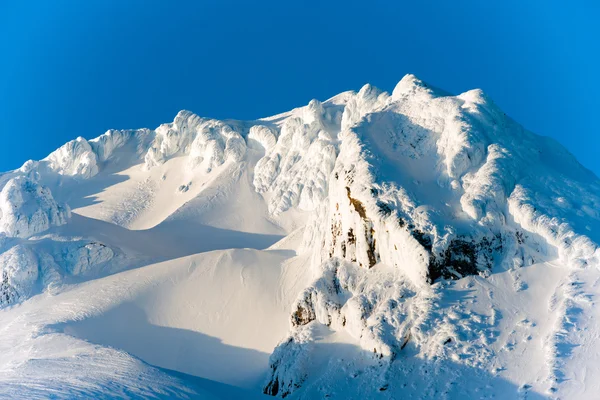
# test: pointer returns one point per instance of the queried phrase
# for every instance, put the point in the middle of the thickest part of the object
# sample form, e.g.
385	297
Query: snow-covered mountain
413	245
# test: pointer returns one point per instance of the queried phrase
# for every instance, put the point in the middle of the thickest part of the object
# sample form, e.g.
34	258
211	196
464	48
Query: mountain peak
410	85
366	239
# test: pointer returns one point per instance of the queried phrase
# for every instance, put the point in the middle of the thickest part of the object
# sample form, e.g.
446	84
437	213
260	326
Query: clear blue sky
78	68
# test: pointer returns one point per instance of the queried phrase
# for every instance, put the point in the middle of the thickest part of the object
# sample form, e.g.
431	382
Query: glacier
415	244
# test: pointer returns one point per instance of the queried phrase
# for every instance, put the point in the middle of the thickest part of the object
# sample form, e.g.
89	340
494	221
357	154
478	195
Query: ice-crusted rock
19	273
290	362
27	208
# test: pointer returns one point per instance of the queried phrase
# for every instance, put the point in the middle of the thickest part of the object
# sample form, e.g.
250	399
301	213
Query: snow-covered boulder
26	269
27	208
81	258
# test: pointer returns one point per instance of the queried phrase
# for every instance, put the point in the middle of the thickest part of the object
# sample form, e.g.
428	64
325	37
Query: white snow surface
417	245
27	208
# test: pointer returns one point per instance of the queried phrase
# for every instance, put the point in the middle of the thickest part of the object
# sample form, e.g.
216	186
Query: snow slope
406	245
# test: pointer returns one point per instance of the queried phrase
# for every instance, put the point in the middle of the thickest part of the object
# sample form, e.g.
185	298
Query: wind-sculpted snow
398	207
84	257
208	143
104	146
27	208
263	135
75	158
28	268
296	169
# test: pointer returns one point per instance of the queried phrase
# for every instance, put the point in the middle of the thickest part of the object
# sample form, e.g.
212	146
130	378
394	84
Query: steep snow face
295	170
27	208
104	146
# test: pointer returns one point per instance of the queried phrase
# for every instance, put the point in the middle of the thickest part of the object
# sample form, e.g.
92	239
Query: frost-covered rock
19	273
214	144
368	99
83	159
290	362
27	208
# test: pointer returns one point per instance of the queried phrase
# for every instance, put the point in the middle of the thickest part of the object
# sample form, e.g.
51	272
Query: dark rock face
8	294
368	226
462	257
423	239
303	315
272	388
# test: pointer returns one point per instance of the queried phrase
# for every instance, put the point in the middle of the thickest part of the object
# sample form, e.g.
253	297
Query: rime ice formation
397	211
207	143
75	158
19	273
27	208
